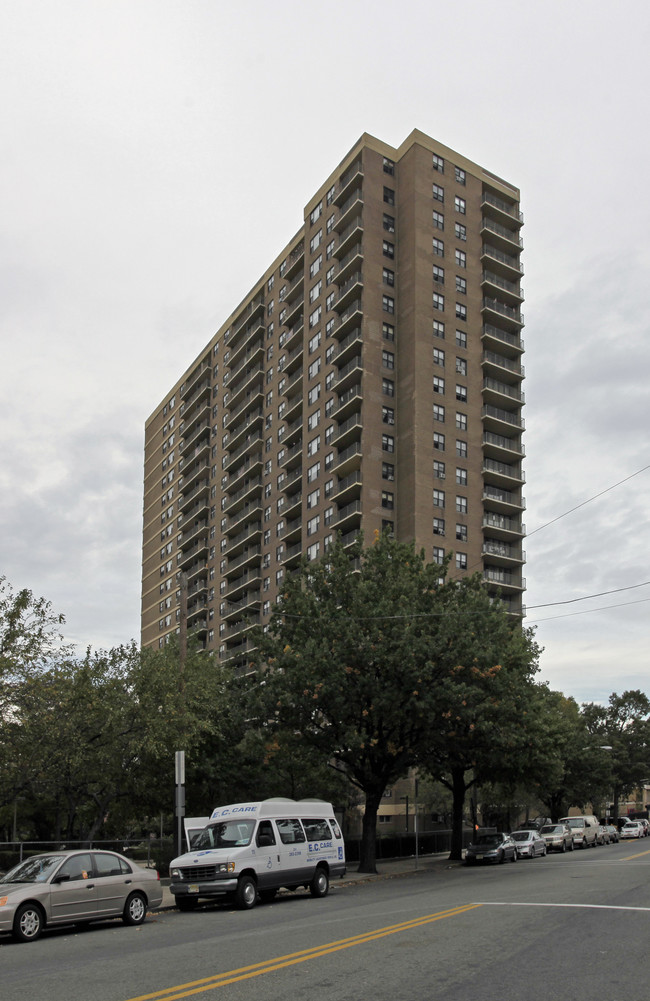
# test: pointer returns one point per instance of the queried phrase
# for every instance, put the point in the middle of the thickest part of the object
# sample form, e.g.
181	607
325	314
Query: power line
599	594
587	611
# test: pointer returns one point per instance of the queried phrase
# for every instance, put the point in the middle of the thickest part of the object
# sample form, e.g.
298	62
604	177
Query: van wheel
246	893
320	884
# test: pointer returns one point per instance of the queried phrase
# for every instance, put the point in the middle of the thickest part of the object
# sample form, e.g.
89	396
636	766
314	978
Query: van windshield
226	834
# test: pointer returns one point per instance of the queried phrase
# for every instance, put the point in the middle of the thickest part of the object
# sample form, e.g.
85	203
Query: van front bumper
214	888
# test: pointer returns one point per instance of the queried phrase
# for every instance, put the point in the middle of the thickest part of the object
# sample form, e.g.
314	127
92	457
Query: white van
585	830
251	849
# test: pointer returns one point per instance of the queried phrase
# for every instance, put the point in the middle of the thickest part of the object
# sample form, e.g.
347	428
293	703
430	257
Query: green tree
623	726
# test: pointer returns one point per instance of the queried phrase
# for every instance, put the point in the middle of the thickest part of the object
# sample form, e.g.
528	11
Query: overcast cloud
156	156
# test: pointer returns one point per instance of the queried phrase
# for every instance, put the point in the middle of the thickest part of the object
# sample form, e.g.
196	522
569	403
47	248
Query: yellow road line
638	855
257	969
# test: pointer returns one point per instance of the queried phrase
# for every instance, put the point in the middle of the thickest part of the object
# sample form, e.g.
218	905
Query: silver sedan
75	887
528	843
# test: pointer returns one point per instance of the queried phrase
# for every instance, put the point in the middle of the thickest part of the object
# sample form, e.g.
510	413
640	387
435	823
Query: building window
388	276
460	175
438	413
387	499
461	421
315	241
438	220
313	446
389	223
461	393
314	317
439	357
439	329
329	249
438	470
388	387
329	275
388	359
439	498
388	331
461	476
313	394
315	291
387	443
461	285
438	193
270	283
461	533
313	498
461	366
461	258
387	415
438	301
461	448
438	247
387	471
389	196
461	312
329	226
461	561
329	302
461	505
313	525
388	304
313	472
438	274
439	441
438	384
460	231
438	163
461	338
388	249
438	554
315	266
438	526
316	213
459	205
389	166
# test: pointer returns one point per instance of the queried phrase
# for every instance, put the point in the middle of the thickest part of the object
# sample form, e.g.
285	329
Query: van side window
336	829
290	831
265	835
317	830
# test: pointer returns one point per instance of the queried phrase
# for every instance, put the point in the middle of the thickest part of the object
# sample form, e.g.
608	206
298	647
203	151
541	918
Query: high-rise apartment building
370	379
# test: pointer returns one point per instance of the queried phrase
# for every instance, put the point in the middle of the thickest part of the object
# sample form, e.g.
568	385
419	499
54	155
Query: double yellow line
257	969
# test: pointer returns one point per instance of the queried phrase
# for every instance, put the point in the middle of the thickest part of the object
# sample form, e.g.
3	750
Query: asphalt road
567	926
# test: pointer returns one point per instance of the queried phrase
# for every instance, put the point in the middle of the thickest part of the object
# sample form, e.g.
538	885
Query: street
567	925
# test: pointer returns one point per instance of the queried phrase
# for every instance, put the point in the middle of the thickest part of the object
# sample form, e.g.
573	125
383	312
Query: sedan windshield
521	836
231	834
552	829
33	870
488	839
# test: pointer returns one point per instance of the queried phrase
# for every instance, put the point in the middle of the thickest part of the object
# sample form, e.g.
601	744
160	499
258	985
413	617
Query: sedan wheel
135	909
28	923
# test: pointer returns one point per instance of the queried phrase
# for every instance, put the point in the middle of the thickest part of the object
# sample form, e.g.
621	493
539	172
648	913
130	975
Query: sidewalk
386	869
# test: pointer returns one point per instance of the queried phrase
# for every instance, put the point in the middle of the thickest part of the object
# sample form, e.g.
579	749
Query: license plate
193	888
478	856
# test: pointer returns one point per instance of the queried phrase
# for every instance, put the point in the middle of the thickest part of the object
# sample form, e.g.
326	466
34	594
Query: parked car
612	831
646	826
74	887
633	829
558	837
528	843
491	848
584	829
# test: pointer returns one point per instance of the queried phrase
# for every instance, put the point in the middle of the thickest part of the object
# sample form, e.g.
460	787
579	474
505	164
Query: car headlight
174	872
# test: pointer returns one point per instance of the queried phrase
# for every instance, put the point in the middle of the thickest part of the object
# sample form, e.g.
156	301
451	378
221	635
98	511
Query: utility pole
179	763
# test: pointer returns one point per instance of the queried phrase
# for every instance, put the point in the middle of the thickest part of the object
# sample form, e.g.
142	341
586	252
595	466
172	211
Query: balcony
295	311
249	536
502	501
509	369
192	474
201	449
251	487
294	407
251	422
252	382
242	326
193	380
198	551
249	401
502	341
254	443
349	402
192	533
292	456
295	289
348	488
350	318
349	516
506	316
199	490
497	392
293	432
293	531
497	419
504	580
350	263
503	238
200	396
349	375
293	510
503	554
348	347
506	265
249	557
293	359
349	182
244	359
350	209
500	526
190	428
251	466
294	335
351	234
500	209
510	292
293	555
348	458
350	430
295	261
500	446
293	482
502	473
352	289
250	511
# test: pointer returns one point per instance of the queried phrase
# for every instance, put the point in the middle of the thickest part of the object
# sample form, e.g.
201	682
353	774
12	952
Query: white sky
141	138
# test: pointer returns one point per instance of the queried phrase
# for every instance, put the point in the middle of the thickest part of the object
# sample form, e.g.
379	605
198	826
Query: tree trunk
368	851
458	789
